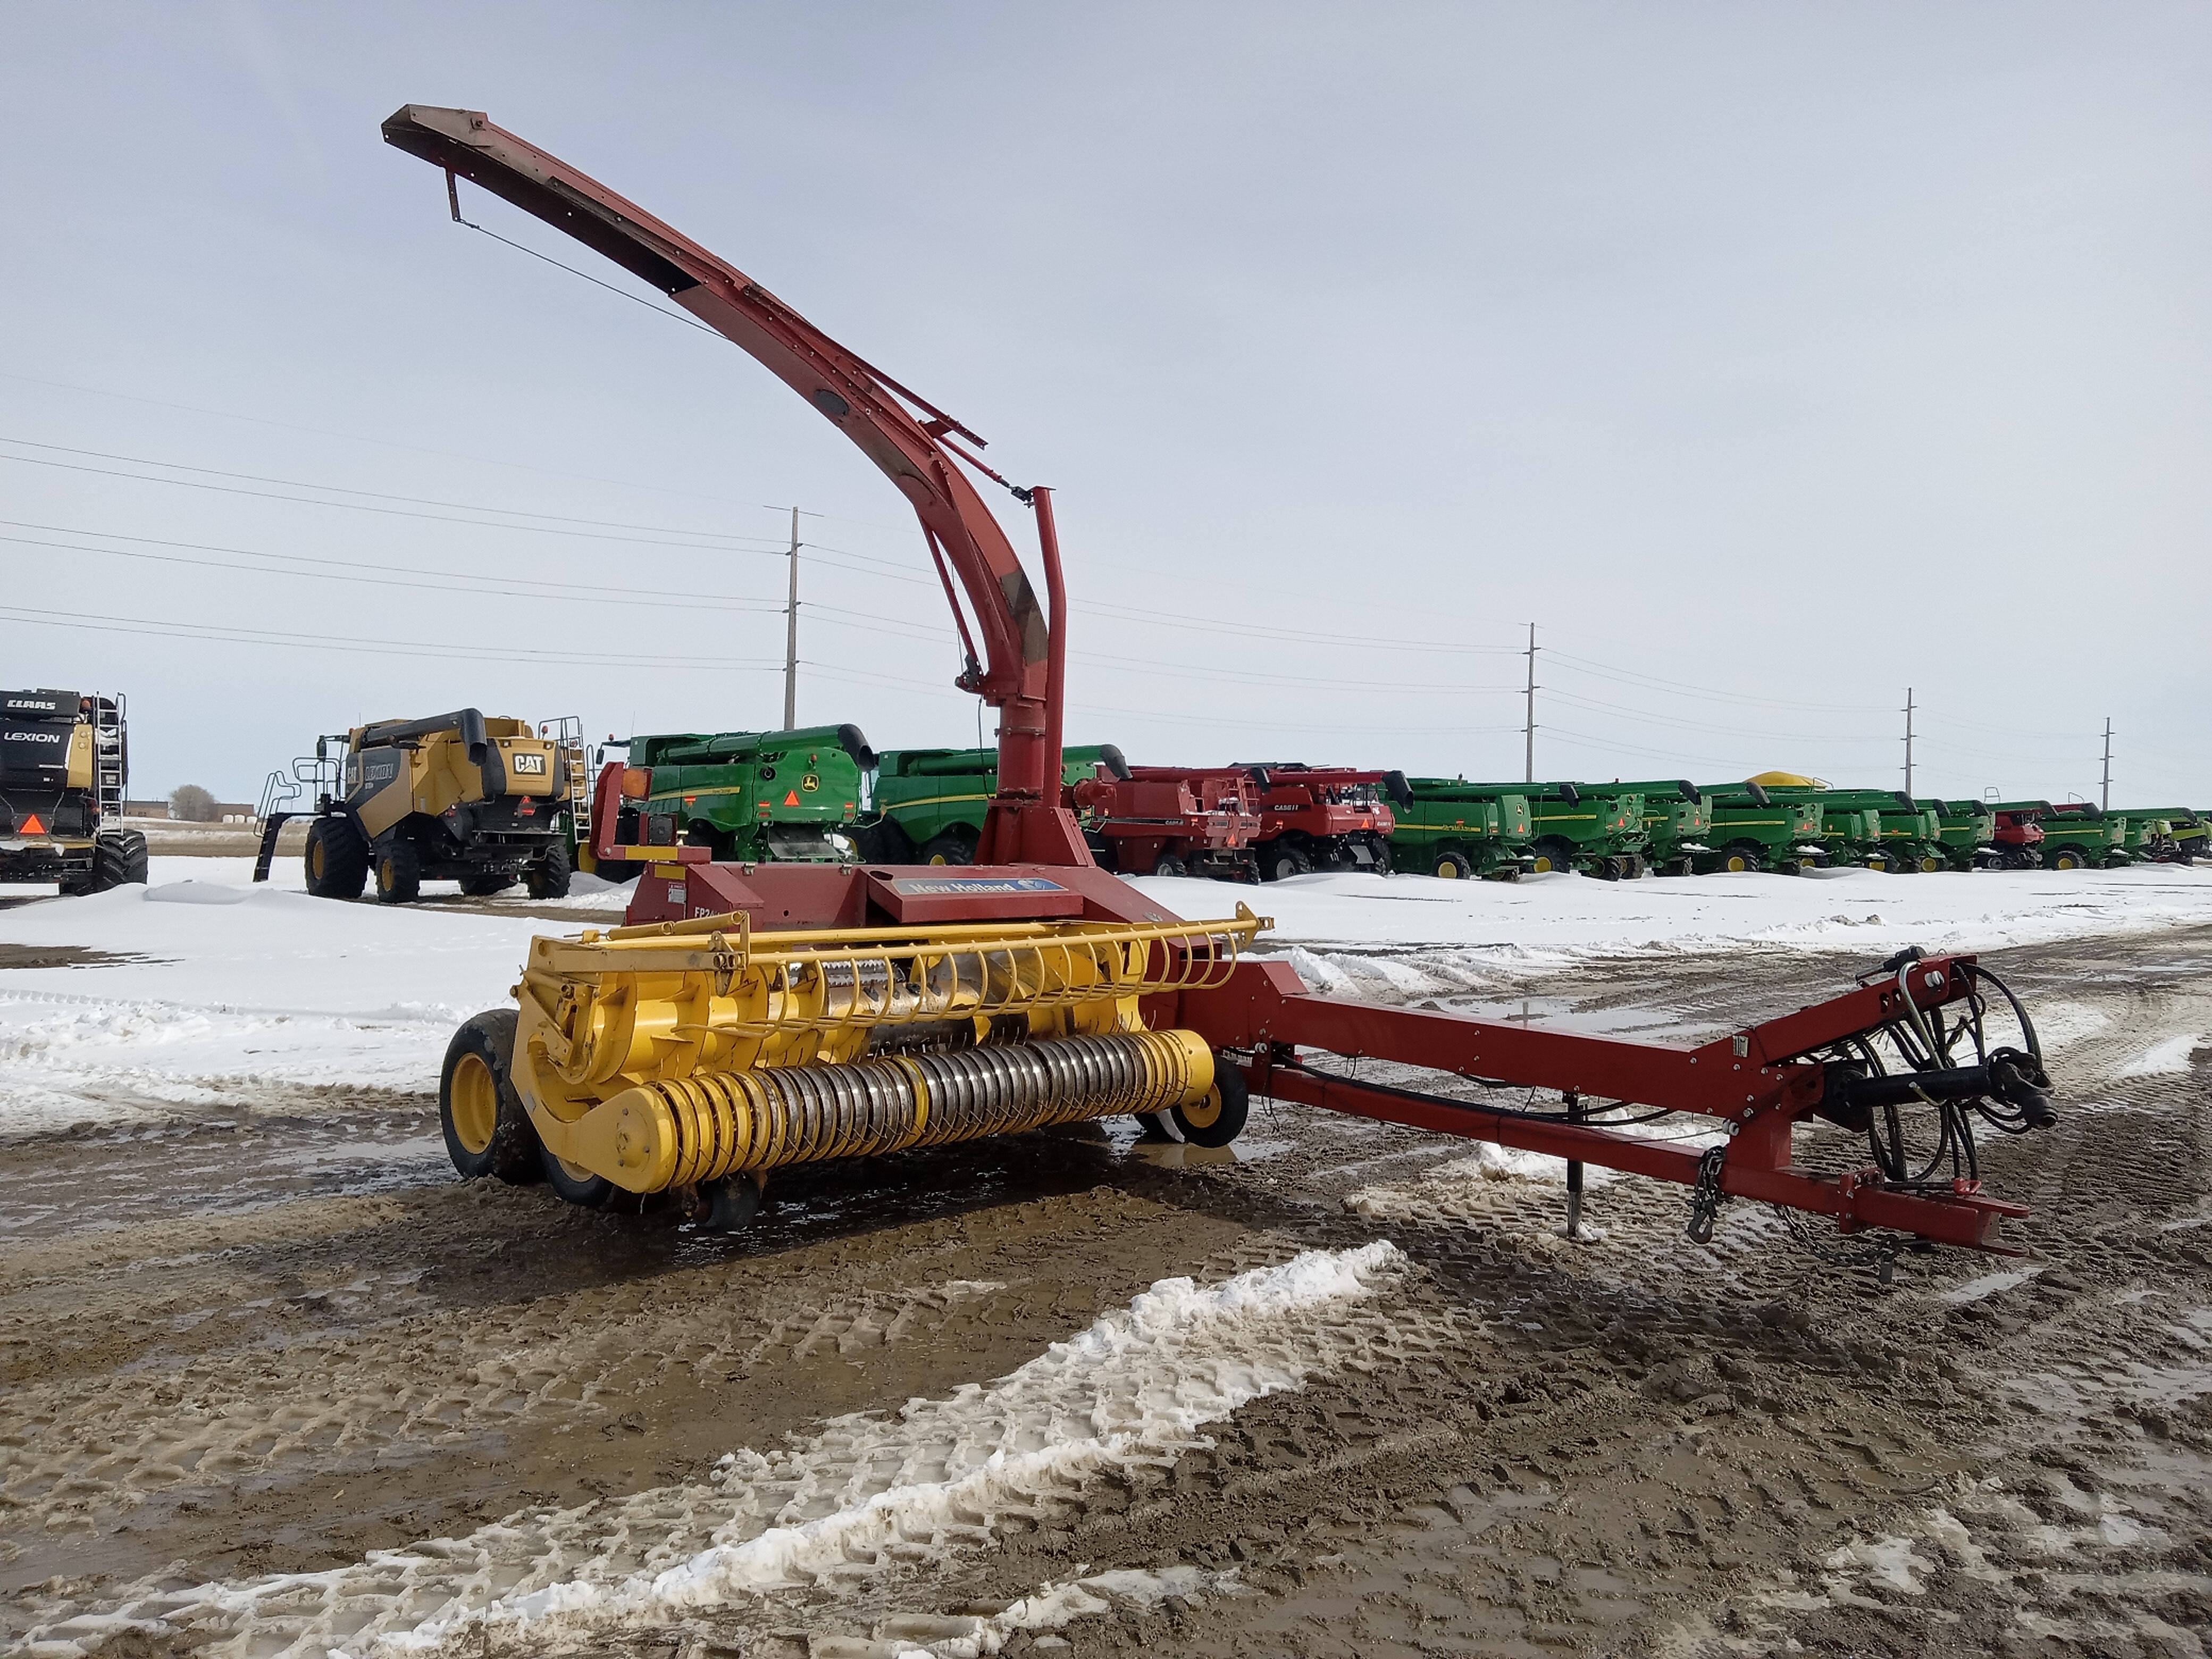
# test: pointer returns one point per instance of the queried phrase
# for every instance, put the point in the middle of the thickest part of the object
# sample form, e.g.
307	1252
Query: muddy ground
281	1337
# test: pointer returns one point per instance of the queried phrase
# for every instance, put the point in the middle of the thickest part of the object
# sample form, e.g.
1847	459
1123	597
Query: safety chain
1705	1194
1880	1253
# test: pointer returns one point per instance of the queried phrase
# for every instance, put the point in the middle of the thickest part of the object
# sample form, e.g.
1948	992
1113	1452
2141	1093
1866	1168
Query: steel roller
686	1130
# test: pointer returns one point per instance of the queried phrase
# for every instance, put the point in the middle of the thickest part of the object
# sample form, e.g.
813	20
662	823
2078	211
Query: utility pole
1908	739
791	636
2104	792
1528	731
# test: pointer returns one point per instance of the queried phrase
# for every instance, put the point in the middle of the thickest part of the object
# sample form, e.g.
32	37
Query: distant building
226	811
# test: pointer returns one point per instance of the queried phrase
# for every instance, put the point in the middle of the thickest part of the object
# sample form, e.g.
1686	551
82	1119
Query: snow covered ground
233	991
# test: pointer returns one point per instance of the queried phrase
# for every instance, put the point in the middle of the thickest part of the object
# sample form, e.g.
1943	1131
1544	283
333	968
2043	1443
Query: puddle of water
1560	1014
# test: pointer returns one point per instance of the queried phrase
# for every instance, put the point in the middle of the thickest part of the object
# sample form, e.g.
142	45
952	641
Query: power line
227	635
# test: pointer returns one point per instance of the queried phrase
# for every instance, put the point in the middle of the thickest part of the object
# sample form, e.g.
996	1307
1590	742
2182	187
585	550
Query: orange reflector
637	782
32	826
791	798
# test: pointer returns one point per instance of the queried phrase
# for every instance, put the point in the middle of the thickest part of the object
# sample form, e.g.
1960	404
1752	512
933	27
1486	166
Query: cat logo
810	782
529	765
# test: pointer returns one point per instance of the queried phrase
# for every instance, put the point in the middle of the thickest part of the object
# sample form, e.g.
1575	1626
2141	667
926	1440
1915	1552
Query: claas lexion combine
753	1016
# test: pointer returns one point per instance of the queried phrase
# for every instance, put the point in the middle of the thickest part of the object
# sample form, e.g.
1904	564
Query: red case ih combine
1166	820
759	1015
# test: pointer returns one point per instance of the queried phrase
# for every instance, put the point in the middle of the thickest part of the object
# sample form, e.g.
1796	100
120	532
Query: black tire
1170	864
1553	854
118	860
2065	858
1219	1118
578	1187
488	1132
1280	861
1739	860
732	1203
548	874
1451	866
885	842
1382	851
337	859
953	847
482	883
398	873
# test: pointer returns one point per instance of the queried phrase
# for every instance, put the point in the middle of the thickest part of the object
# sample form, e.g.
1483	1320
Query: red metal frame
1033	862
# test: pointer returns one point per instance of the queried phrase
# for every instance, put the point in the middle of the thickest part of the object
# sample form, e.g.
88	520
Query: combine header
757	1015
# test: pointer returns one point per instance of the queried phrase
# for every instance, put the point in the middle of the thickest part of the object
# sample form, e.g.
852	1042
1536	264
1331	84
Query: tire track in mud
1631	1445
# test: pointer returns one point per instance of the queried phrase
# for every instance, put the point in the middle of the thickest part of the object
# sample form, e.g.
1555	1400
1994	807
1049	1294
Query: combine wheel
1738	861
1451	866
482	883
487	1133
1555	854
399	873
953	847
1382	851
1214	1122
548	874
1170	864
118	860
1280	862
2066	858
337	862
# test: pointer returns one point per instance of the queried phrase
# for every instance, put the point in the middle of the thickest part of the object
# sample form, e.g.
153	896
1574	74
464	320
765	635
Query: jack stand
1574	1172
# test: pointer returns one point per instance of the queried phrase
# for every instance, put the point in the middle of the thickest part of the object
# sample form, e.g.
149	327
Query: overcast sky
1771	360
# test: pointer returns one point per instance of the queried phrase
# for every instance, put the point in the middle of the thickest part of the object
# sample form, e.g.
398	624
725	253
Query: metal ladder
567	734
111	756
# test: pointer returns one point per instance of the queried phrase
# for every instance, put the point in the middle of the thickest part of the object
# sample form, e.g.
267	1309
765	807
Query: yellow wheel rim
937	858
383	875
1448	869
474	1100
575	1172
315	859
1543	864
1206	1113
1735	863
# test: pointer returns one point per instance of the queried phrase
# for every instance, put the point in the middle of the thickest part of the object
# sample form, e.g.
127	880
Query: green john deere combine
1599	835
2078	835
758	797
1456	831
1677	821
929	803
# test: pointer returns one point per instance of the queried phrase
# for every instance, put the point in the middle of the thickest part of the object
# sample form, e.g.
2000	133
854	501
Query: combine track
275	1340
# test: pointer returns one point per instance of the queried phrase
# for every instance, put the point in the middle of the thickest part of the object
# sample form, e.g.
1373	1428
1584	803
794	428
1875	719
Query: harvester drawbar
755	1015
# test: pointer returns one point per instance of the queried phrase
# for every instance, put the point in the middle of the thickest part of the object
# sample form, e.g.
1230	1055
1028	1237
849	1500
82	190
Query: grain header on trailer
755	1016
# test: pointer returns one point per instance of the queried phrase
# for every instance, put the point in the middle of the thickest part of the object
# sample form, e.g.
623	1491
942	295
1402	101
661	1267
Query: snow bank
1418	936
230	988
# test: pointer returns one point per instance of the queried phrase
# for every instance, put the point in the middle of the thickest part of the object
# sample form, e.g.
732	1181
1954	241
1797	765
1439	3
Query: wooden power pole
791	636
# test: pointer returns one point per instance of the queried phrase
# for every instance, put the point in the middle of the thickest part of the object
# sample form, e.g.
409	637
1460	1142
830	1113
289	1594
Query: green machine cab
758	797
1456	829
928	802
